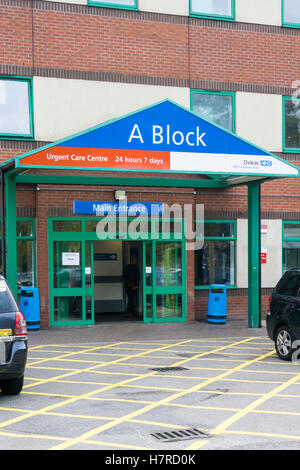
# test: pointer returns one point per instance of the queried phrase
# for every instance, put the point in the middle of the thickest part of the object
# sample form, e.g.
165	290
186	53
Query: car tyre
12	386
283	343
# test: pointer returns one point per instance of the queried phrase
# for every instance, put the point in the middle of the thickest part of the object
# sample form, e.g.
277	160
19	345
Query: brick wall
90	39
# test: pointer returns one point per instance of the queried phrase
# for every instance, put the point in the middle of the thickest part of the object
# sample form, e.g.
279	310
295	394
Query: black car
283	317
13	342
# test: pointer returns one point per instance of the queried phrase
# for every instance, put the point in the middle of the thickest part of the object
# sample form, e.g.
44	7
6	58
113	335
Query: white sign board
70	259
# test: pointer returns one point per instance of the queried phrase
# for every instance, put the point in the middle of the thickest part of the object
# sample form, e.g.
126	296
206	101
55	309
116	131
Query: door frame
155	290
84	236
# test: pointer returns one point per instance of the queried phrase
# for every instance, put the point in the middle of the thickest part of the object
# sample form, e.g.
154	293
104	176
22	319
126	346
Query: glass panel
25	262
289	285
66	226
291	11
24	228
91	225
88	308
214	264
67	264
292	123
168	264
67	309
215	108
14	107
291	255
212	7
149	306
216	229
291	230
117	2
169	306
148	265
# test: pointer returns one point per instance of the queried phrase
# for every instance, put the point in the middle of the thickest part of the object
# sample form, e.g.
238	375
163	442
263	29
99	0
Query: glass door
72	298
164	282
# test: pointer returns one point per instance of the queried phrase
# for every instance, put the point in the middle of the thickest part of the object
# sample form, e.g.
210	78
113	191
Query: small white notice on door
70	259
148	269
88	270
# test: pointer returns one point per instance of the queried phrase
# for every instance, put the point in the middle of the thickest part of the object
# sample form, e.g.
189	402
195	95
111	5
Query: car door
283	300
293	316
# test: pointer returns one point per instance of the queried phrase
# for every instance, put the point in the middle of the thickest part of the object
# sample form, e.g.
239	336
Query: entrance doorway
86	277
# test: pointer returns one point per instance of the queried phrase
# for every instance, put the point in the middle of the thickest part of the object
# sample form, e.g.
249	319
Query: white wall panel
271	241
64	107
171	7
259	11
259	119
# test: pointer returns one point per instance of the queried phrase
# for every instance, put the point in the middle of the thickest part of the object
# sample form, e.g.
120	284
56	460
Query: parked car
283	317
13	342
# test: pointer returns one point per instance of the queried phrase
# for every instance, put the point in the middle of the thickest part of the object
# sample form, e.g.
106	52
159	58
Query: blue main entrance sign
117	208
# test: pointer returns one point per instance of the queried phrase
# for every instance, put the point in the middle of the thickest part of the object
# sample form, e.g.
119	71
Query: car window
289	284
7	301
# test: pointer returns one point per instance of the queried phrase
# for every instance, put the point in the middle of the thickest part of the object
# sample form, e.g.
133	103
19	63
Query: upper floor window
217	107
15	108
132	4
213	8
291	13
291	124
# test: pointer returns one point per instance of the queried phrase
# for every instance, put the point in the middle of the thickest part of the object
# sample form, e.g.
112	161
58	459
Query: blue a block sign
117	208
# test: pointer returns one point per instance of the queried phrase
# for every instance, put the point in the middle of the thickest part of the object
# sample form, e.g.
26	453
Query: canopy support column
11	233
254	265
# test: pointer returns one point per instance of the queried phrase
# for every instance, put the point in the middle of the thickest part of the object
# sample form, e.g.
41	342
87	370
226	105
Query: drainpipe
3	169
3	245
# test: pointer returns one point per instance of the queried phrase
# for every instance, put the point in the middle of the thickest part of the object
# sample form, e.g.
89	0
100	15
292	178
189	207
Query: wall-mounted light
120	195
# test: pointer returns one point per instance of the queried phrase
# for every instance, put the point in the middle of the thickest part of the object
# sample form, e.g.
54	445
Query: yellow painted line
73	353
117	445
143	410
32	436
60	395
155	423
264	434
290	413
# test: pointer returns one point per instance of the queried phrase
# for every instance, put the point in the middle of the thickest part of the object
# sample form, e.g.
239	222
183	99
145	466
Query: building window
291	245
132	4
15	108
25	252
291	13
223	9
216	107
291	124
215	262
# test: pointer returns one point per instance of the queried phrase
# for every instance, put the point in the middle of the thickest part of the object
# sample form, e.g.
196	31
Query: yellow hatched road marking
221	428
143	410
74	399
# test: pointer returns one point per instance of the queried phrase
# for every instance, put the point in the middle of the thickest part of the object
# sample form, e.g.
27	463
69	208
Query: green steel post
254	283
11	234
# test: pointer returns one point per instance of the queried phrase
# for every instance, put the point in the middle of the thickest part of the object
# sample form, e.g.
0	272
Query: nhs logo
266	163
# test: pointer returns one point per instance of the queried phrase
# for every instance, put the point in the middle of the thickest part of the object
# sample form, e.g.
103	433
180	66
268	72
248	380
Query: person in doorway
131	277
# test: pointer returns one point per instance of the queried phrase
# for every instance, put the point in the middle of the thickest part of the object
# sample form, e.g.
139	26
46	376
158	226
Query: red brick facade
55	39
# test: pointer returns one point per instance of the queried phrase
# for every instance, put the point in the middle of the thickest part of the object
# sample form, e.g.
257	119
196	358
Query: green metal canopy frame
13	173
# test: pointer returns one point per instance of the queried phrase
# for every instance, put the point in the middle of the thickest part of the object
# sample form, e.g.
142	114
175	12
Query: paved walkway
134	330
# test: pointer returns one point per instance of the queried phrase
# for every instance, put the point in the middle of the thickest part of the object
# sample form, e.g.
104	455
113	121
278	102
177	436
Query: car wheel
12	386
283	343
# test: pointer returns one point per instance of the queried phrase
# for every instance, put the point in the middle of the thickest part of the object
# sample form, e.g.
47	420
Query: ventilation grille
180	435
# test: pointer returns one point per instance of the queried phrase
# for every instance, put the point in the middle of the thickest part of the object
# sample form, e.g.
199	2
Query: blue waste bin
30	307
217	304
